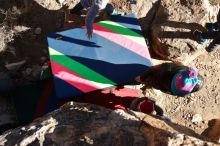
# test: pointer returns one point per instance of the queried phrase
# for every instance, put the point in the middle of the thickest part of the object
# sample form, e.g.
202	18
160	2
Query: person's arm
93	11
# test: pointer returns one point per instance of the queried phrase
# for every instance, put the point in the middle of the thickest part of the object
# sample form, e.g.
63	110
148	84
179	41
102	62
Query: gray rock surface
85	124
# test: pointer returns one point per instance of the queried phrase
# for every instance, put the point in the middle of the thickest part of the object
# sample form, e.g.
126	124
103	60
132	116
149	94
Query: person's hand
89	34
138	79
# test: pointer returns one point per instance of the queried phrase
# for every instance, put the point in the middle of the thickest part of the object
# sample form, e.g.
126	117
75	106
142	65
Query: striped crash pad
116	54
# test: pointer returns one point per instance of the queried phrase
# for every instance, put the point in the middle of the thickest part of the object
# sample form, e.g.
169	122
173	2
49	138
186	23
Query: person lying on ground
172	78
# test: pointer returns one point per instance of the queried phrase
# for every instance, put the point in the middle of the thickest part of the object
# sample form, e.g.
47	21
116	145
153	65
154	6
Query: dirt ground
30	44
195	110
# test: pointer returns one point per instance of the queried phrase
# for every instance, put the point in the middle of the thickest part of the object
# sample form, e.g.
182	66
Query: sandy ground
198	108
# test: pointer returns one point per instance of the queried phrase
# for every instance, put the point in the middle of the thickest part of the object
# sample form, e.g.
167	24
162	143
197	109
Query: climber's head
186	81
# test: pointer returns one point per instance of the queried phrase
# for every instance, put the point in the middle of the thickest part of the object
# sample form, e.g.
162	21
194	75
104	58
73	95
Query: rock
43	59
188	115
59	24
141	8
5	82
173	27
38	30
33	37
12	50
7	114
28	71
86	124
15	66
19	28
144	9
36	70
176	109
60	1
6	32
197	118
26	4
213	131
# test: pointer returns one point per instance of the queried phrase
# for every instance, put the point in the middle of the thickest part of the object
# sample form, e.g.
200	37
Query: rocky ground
197	109
26	23
100	126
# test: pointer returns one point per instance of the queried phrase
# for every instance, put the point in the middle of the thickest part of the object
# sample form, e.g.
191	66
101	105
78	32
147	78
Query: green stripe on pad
115	27
78	68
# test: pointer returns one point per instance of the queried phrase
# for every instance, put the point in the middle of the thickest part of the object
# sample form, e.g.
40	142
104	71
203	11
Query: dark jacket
160	76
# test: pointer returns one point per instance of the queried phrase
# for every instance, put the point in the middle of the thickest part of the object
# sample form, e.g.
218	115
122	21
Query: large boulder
213	131
85	124
173	27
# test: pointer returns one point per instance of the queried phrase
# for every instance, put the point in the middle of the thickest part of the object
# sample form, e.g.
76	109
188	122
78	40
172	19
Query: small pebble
197	118
38	30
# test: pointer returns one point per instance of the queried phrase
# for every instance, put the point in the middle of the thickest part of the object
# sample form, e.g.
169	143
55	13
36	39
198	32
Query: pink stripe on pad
72	78
122	41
